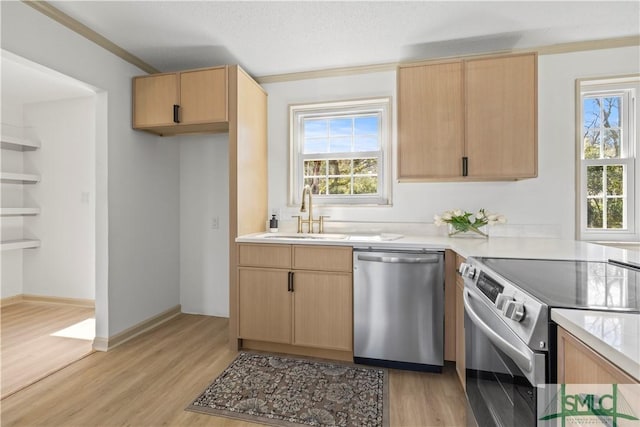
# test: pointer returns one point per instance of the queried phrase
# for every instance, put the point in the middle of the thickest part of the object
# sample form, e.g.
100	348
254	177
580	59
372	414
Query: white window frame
628	88
299	112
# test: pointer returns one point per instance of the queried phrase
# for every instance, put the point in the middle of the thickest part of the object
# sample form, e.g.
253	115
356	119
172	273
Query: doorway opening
50	240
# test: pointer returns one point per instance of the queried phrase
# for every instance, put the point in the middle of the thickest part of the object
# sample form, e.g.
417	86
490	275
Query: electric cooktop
589	285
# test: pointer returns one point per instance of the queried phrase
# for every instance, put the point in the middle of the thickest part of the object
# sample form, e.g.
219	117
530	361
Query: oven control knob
514	310
501	300
467	270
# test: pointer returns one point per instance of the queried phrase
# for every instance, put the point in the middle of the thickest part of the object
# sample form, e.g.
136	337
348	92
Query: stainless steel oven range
510	342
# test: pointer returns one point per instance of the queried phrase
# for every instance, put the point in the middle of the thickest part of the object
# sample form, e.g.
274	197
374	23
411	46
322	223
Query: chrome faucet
306	192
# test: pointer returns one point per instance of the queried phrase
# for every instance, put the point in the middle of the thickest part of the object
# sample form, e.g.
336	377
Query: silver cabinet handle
399	260
521	359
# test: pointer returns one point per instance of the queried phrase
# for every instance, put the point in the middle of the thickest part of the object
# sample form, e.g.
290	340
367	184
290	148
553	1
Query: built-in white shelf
8	245
18	138
19	211
19	178
18	144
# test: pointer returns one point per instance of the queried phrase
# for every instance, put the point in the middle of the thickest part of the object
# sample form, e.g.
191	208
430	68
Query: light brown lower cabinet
265	304
580	364
287	294
322	310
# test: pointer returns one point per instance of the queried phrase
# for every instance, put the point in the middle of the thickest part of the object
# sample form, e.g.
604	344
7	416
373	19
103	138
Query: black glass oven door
500	393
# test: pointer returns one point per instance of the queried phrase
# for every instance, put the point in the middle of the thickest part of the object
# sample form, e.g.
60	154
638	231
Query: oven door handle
521	359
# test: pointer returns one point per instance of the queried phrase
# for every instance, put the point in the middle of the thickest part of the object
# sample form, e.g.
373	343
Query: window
340	150
608	202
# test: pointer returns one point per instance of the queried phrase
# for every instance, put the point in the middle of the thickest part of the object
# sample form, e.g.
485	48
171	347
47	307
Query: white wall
137	185
12	196
204	251
547	200
64	265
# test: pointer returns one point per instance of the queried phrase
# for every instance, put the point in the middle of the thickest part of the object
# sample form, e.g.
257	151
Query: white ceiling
24	82
268	37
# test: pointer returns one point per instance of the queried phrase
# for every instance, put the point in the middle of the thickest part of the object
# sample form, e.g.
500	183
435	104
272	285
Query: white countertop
503	247
615	336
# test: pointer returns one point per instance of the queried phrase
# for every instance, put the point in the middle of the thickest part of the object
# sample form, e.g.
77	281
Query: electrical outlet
215	223
276	212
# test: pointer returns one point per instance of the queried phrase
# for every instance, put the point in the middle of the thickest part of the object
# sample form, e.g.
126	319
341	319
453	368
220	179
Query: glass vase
469	232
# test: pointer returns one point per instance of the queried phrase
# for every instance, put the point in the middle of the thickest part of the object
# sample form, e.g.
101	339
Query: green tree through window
602	140
340	151
343	138
608	199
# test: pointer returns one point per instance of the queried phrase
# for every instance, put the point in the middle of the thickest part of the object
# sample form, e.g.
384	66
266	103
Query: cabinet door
430	121
579	364
203	96
323	310
501	117
264	305
153	99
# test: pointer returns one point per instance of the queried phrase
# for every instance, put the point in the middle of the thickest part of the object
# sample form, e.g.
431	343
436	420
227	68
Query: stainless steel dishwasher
399	308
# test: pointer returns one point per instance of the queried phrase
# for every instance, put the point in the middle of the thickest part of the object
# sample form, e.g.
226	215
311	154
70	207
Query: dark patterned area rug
287	391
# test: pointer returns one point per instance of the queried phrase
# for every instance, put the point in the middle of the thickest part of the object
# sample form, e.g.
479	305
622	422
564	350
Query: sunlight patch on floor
85	330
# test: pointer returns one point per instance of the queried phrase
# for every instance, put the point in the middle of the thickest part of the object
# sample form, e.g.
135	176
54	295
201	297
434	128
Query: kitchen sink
305	236
384	237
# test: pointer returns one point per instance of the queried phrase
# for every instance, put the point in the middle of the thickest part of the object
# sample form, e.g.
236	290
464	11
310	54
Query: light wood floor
149	380
28	352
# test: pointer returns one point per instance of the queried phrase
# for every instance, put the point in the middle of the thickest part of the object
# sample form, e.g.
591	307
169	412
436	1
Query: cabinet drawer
264	255
323	258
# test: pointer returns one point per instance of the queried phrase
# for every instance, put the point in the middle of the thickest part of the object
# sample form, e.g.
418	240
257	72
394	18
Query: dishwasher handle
433	259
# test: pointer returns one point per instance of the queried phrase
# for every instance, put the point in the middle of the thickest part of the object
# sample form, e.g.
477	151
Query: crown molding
589	45
330	72
541	50
57	15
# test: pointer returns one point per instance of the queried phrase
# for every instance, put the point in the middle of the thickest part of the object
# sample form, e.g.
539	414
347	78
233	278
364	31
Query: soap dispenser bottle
273	224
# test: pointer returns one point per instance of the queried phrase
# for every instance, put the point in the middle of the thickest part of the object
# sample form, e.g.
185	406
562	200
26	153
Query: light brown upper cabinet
430	121
501	110
185	102
153	100
468	119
